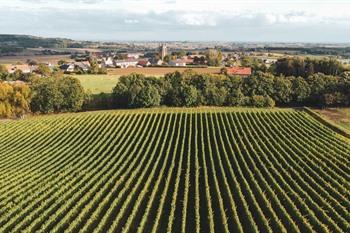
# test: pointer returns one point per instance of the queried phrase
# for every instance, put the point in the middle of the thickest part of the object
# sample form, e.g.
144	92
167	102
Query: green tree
214	57
148	96
190	96
282	90
44	70
300	89
135	91
73	93
56	95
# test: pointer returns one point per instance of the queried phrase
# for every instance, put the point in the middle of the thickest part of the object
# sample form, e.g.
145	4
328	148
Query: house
143	63
68	67
126	63
25	68
269	61
242	71
178	62
83	65
108	62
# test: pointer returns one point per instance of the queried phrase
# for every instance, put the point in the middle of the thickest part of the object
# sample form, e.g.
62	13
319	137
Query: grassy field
340	116
174	170
98	83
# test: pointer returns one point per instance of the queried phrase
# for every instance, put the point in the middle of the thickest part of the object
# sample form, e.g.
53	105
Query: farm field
98	83
23	59
174	170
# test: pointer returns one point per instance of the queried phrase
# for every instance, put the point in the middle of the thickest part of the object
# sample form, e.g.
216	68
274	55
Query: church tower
163	51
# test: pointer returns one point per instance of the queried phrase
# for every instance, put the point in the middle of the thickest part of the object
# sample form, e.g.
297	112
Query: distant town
25	53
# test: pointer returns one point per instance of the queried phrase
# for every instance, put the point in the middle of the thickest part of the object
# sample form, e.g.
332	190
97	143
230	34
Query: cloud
177	20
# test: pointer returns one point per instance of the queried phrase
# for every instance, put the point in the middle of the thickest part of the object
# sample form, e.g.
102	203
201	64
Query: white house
108	62
178	62
126	63
84	65
68	67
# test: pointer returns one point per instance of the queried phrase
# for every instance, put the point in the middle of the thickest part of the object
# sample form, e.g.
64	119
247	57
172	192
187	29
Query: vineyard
174	170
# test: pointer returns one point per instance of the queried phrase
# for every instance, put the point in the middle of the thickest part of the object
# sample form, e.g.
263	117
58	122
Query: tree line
304	67
189	89
41	95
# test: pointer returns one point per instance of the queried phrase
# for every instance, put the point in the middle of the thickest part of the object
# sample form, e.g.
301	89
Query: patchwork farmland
174	170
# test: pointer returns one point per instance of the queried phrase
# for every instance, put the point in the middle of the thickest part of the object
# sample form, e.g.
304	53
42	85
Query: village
99	62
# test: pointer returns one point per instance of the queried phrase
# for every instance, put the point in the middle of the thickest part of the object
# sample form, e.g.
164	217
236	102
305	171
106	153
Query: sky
180	20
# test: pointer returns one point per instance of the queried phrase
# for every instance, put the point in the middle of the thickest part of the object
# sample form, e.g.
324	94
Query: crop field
174	170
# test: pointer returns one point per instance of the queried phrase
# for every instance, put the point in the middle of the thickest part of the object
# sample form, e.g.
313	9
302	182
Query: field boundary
327	122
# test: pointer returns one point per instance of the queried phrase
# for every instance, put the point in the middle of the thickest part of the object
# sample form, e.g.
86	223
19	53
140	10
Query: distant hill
33	41
17	43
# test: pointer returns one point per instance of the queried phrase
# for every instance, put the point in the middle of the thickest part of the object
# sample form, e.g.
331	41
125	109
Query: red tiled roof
239	70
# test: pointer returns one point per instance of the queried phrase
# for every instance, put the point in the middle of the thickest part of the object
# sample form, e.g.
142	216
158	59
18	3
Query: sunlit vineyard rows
174	170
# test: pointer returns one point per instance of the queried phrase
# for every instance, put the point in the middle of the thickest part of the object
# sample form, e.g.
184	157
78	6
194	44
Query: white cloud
183	18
